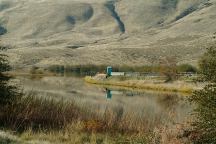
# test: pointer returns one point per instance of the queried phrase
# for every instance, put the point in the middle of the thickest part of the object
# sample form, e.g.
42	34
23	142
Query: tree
8	92
168	68
205	101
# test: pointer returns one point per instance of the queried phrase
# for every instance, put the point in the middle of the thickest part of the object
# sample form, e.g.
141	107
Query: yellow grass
140	84
73	135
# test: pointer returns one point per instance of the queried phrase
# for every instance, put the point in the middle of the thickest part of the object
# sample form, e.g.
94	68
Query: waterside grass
142	84
59	121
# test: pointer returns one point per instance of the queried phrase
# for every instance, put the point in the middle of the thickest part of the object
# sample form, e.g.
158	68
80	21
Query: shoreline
182	87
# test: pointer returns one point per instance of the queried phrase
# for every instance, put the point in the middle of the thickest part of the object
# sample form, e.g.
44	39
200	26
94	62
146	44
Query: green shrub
205	101
186	68
8	92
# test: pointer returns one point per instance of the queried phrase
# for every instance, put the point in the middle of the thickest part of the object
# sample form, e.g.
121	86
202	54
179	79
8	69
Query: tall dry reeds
39	113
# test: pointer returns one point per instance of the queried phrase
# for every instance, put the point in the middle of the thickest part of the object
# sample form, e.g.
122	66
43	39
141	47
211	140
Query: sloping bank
177	86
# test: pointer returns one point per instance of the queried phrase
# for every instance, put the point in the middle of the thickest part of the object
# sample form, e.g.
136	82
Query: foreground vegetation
45	120
60	121
204	126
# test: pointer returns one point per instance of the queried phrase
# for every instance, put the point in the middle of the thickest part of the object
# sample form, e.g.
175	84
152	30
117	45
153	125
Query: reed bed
38	114
32	117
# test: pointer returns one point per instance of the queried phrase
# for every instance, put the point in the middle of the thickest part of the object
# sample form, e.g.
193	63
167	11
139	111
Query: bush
8	92
186	68
168	68
205	101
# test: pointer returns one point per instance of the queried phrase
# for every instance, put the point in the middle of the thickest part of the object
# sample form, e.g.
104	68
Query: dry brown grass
169	135
59	121
141	84
32	116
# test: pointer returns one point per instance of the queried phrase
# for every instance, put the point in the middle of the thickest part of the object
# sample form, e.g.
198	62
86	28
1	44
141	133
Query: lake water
155	108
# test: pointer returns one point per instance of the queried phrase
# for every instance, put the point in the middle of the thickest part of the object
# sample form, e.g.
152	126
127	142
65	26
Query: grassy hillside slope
47	32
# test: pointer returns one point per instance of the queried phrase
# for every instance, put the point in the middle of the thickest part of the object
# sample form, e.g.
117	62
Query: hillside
71	32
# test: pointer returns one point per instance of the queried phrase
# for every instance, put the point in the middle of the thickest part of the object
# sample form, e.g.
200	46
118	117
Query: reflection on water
153	109
108	94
